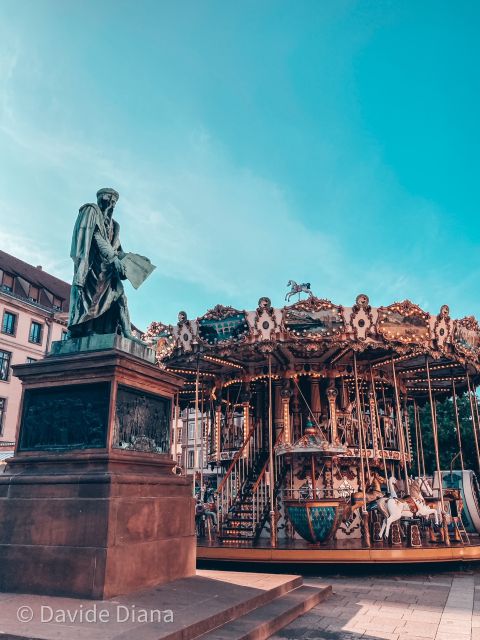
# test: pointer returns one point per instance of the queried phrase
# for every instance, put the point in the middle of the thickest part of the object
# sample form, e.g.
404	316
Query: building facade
190	446
33	314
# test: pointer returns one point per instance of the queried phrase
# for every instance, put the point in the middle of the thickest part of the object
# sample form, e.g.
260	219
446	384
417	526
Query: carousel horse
449	495
298	288
372	494
394	508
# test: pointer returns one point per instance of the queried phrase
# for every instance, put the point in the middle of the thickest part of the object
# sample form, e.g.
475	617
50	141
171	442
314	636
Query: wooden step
270	618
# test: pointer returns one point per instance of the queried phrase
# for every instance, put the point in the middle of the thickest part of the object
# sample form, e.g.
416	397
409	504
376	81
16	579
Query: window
30	360
3	409
5	357
36	333
57	304
191	459
7	282
33	293
179	434
9	323
179	459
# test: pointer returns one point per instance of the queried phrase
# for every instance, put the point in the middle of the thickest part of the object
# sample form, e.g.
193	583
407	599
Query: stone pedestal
91	505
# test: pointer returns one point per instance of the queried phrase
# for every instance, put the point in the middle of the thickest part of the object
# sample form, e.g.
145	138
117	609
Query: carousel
312	418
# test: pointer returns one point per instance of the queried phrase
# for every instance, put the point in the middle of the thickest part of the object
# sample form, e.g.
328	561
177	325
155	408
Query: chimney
39	266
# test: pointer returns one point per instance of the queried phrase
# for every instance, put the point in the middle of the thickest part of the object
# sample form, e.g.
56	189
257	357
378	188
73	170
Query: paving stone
438	606
423	630
458	636
426	607
382	625
423	616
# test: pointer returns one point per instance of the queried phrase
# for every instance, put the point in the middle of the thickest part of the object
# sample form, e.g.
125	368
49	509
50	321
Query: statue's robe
97	297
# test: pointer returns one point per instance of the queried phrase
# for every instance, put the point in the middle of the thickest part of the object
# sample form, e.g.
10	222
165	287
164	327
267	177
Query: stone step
212	627
264	621
202	605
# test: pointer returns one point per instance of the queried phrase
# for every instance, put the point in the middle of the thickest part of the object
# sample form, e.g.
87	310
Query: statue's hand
119	267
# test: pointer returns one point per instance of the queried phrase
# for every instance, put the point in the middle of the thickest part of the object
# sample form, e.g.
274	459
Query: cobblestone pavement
439	606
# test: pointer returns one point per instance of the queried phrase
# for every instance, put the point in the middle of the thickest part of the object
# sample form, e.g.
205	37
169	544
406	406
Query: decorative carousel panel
314	318
442	328
223	324
466	336
361	318
185	331
403	322
315	520
264	320
161	337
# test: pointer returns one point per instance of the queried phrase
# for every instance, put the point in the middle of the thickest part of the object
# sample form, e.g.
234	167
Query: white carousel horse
298	288
392	486
394	508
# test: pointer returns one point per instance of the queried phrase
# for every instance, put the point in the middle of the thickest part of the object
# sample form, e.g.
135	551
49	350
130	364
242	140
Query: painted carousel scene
333	433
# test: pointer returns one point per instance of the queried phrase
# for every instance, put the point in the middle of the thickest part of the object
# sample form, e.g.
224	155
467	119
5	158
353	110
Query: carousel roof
315	335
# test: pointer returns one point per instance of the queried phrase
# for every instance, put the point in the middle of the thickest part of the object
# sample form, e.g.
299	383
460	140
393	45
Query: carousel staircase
243	516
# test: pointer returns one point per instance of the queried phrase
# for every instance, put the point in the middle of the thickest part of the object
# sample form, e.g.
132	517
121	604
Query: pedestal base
91	506
94	527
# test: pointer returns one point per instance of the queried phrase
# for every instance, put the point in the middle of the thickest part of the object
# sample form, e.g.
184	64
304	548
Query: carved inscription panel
65	418
142	421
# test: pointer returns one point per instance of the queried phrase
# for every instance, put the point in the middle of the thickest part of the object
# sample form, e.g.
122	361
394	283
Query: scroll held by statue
137	268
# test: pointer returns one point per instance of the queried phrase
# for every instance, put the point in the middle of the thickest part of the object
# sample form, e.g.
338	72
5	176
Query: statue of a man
98	303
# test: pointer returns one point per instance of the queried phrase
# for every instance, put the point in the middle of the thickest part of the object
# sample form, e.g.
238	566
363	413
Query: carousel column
259	415
287	427
296	420
408	433
332	405
378	427
278	422
400	432
433	411
373	422
315	401
218	430
246	427
361	432
273	514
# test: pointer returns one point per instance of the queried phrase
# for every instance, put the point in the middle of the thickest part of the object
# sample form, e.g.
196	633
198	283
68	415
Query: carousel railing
239	472
261	489
347	428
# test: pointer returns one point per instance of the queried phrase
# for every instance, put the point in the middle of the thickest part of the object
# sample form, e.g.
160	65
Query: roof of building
35	276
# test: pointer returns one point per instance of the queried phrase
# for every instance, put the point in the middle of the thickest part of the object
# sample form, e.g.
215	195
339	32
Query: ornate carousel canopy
318	338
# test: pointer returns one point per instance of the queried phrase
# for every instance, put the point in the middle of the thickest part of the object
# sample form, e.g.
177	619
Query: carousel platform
337	552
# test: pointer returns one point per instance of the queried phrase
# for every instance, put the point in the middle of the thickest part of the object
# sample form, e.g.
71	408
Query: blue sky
334	142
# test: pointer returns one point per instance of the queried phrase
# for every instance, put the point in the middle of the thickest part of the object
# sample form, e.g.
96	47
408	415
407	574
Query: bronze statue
98	304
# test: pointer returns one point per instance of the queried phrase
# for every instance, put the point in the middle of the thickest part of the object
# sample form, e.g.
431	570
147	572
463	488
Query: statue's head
107	199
